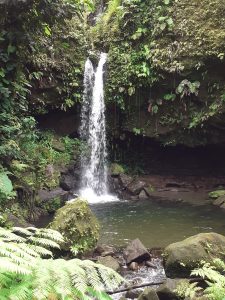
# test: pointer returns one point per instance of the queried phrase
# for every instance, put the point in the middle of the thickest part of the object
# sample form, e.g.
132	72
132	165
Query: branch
134	287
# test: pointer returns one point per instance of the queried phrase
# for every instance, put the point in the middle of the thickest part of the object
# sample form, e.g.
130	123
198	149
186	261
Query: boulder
133	294
133	266
166	291
143	195
105	250
219	201
136	186
109	262
76	222
68	182
217	194
148	294
125	180
182	257
136	251
52	200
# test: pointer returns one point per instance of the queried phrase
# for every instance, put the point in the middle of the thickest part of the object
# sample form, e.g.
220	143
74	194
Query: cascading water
92	130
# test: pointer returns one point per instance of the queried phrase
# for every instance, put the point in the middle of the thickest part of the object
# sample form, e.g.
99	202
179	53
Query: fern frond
51	234
8	266
41	250
21	230
8	236
43	242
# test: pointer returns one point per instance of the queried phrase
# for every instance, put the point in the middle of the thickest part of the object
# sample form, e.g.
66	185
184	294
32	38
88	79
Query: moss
76	222
116	169
216	194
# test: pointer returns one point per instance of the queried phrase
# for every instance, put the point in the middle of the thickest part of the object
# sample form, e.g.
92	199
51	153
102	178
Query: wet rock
136	251
148	294
133	266
125	180
105	250
143	195
133	294
136	186
68	182
166	291
219	201
184	256
109	262
149	264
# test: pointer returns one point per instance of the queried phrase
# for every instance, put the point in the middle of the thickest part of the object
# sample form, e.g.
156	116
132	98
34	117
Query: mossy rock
76	222
217	194
116	169
184	256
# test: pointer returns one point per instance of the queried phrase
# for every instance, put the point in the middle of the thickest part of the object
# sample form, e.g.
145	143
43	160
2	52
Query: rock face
53	199
109	262
136	251
76	222
182	257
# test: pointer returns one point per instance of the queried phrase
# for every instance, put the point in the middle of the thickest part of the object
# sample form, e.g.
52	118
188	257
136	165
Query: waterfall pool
155	224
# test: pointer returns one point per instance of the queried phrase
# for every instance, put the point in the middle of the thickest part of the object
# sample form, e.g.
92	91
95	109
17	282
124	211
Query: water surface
156	225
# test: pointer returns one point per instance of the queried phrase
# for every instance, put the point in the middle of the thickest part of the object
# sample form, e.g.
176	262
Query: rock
143	195
109	262
133	294
136	251
52	200
166	291
184	256
223	206
125	180
219	201
116	169
133	266
58	145
217	194
13	221
76	222
148	294
136	186
68	182
149	264
105	250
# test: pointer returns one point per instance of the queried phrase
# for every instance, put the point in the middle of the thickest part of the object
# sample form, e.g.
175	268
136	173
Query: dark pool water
154	224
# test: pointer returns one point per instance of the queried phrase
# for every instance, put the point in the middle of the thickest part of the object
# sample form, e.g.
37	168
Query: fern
213	278
25	274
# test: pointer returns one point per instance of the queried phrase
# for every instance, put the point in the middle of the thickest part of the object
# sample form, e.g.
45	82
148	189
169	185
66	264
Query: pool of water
156	225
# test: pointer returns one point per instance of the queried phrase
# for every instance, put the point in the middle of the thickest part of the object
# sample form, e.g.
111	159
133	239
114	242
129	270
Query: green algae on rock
79	227
184	256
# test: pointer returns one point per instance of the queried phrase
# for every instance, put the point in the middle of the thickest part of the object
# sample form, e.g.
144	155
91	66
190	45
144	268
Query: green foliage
186	88
6	188
24	274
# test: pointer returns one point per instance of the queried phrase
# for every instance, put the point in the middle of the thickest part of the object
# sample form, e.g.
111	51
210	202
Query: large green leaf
5	184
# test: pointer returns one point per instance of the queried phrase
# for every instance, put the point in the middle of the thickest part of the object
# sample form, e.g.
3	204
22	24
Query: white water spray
93	131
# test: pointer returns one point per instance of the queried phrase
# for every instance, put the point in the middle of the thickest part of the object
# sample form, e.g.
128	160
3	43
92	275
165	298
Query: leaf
5	184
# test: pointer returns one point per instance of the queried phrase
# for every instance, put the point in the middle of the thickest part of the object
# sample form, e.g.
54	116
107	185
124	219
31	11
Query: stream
155	224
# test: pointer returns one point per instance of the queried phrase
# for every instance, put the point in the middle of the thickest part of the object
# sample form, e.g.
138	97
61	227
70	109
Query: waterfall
93	131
